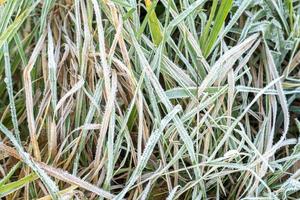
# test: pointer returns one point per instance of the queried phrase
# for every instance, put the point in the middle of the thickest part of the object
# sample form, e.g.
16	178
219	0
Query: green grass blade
218	23
16	185
154	23
12	29
50	184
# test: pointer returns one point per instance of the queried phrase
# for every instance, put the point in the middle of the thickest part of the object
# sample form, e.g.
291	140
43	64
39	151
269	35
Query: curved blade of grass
29	96
16	185
72	91
282	99
179	18
10	173
154	24
52	68
9	85
221	67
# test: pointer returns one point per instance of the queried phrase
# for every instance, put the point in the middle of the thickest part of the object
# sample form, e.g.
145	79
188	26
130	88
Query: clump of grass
149	100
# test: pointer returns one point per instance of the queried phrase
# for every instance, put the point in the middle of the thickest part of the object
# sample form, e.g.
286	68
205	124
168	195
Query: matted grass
167	99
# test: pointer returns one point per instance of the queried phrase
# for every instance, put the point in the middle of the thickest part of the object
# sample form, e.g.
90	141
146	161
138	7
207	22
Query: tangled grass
169	99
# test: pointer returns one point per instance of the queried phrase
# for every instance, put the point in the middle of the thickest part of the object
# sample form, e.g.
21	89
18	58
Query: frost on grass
149	99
